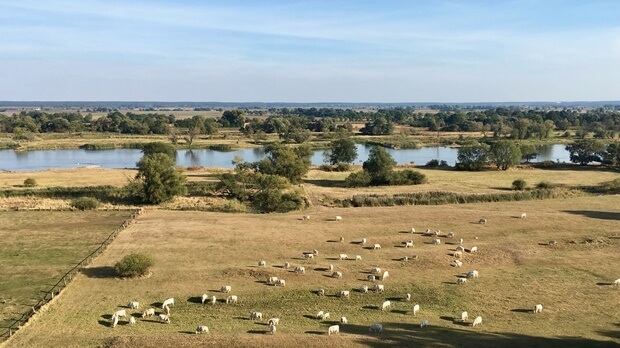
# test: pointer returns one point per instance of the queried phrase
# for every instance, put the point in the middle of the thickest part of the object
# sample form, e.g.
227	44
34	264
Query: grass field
199	252
39	247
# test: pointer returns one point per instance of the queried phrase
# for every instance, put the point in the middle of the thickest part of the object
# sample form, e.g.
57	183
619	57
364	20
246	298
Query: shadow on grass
314	332
521	310
105	323
371	307
257	332
100	272
195	299
187	332
308	316
604	284
326	183
603	215
399	311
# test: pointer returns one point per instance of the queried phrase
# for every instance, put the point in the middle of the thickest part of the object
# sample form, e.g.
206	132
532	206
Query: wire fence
8	331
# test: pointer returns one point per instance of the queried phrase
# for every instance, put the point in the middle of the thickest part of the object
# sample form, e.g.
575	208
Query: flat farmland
38	248
198	252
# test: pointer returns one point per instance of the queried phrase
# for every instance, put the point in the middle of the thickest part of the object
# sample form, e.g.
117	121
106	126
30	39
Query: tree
585	151
528	152
379	126
611	156
341	150
472	157
291	163
505	154
159	147
233	118
379	165
160	180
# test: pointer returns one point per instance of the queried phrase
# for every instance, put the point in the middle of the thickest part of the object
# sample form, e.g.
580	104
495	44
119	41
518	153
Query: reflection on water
127	158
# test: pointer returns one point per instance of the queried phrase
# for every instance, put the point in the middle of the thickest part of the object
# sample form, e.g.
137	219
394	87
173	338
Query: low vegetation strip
439	198
10	329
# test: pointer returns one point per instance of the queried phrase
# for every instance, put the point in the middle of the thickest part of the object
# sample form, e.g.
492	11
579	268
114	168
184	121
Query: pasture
198	252
39	247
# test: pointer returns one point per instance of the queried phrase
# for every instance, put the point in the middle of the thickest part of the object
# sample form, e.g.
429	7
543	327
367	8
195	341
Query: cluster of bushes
134	265
436	164
438	198
521	185
379	170
85	203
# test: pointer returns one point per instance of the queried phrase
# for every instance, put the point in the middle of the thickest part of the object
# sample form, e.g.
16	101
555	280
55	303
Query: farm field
39	247
198	252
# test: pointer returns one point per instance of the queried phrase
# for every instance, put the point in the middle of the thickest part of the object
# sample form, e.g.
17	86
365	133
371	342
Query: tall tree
341	150
159	147
159	178
528	152
585	151
379	165
233	118
505	154
472	157
291	163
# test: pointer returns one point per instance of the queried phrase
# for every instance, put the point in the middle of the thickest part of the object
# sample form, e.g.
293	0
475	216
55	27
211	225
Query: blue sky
310	51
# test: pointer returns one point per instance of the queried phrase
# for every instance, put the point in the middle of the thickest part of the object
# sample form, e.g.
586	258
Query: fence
65	280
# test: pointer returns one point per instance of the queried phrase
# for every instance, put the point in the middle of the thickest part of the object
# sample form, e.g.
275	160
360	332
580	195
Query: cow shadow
333	241
399	311
321	269
158	304
187	332
604	284
369	248
105	323
308	316
314	332
521	310
257	332
195	299
371	307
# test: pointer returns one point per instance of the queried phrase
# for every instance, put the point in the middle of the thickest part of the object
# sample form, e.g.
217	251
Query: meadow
198	252
39	247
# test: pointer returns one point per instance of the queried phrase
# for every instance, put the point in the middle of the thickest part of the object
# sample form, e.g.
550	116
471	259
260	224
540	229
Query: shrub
406	177
432	163
105	146
134	265
85	203
545	185
358	179
519	185
30	182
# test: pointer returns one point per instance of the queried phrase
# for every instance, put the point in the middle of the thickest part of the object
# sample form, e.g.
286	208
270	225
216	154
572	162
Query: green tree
160	180
159	147
341	150
291	163
611	156
233	118
505	154
379	165
379	126
528	152
134	265
472	157
585	151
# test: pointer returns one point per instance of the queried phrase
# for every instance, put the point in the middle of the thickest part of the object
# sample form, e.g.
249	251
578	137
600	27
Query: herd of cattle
376	273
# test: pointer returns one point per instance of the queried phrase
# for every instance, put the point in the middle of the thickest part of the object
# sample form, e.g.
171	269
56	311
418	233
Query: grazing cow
337	274
409	244
376	246
375	270
416	309
320	315
272	280
167	310
287	265
231	299
204	298
256	315
132	320
464	316
473	249
458	254
482	221
477	321
472	274
371	278
300	269
202	329
523	216
385	275
378	288
450	234
134	304
330	267
364	289
272	329
343	320
458	263
412	230
385	305
164	318
334	329
305	217
273	321
338	218
538	308
460	280
341	239
262	263
344	293
424	323
436	241
376	328
114	320
280	282
407	297
213	300
168	302
552	242
363	241
358	257
226	288
343	256
148	313
617	282
120	313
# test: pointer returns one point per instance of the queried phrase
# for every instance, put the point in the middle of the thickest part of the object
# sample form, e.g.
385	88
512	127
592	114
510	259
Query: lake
127	158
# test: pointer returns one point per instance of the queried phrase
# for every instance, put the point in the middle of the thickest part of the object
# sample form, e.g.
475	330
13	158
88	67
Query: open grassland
39	247
197	253
331	184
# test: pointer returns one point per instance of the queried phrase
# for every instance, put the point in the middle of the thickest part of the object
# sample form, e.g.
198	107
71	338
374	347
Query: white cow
132	320
343	256
407	297
424	323
343	320
337	274
436	241
473	249
231	299
334	329
305	217
287	265
148	313
344	293
321	292
330	267
385	305
202	329
378	288
358	257
409	244
472	274
164	318
458	263
458	254
134	304
300	269
213	300
308	256
262	263
482	221
450	234
371	278
204	298
376	246
375	270
416	309
523	216
272	329
363	241
256	315
338	218
226	288
385	275
114	320
538	308
280	282
274	321
461	280
364	289
376	328
320	315
464	316
120	313
272	280
412	230
168	302
477	321
617	282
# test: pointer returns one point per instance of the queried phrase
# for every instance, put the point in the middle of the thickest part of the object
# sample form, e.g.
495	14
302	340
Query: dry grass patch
199	252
